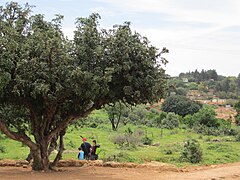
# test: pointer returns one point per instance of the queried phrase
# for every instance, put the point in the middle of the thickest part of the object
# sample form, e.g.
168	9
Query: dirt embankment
72	169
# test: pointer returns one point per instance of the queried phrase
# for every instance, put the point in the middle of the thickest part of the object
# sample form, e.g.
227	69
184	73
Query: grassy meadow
216	149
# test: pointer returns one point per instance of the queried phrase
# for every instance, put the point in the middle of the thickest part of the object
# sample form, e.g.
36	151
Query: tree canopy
48	81
180	105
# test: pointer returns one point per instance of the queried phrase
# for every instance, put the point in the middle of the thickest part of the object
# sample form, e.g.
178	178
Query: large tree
48	81
180	105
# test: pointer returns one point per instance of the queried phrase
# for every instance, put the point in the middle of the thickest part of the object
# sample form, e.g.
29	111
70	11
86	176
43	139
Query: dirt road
226	171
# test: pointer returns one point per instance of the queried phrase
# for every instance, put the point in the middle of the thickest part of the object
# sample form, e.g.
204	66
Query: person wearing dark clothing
93	154
85	146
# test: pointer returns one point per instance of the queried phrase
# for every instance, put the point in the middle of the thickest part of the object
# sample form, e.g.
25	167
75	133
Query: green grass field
216	149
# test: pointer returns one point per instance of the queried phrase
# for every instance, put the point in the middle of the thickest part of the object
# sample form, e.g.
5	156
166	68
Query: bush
2	136
2	149
126	140
146	140
180	105
192	152
139	132
219	148
189	120
237	137
168	151
210	131
120	140
138	115
207	117
93	125
171	121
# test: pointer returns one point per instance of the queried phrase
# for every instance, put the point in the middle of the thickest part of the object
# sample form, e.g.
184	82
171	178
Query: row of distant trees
205	81
174	111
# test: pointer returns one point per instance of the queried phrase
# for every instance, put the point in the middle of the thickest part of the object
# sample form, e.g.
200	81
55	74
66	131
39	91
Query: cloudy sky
200	34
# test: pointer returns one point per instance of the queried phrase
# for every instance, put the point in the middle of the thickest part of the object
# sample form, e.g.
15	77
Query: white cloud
196	32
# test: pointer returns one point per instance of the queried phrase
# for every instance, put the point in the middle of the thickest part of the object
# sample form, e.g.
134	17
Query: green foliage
189	120
121	156
192	152
218	147
54	81
171	121
71	144
168	151
180	105
192	86
138	115
237	108
209	83
159	119
237	135
171	145
2	149
131	139
207	117
117	112
146	140
2	136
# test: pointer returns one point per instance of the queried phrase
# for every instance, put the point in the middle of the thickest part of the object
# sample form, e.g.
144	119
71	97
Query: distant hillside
206	84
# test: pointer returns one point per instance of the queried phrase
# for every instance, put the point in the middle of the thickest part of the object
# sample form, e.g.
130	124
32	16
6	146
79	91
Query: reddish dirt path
226	171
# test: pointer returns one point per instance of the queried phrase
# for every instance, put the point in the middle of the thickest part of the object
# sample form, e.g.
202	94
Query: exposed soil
153	171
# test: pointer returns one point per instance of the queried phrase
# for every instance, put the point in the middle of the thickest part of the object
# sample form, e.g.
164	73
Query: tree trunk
40	156
37	160
61	149
113	126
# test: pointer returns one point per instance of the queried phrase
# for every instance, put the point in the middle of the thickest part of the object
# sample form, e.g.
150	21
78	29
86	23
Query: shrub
171	121
146	140
2	136
119	140
180	105
129	139
139	132
238	137
168	151
2	149
138	115
219	148
191	152
202	129
189	120
132	141
93	125
207	117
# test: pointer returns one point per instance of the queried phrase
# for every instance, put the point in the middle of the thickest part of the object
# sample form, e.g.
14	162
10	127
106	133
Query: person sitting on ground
94	151
85	146
80	154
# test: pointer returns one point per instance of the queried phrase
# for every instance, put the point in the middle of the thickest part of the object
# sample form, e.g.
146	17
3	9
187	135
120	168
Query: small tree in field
115	113
47	81
180	105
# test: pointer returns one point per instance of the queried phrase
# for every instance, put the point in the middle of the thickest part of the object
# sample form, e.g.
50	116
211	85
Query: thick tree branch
63	125
61	148
18	136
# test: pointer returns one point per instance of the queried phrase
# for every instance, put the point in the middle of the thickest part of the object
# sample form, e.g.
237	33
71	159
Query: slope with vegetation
173	139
